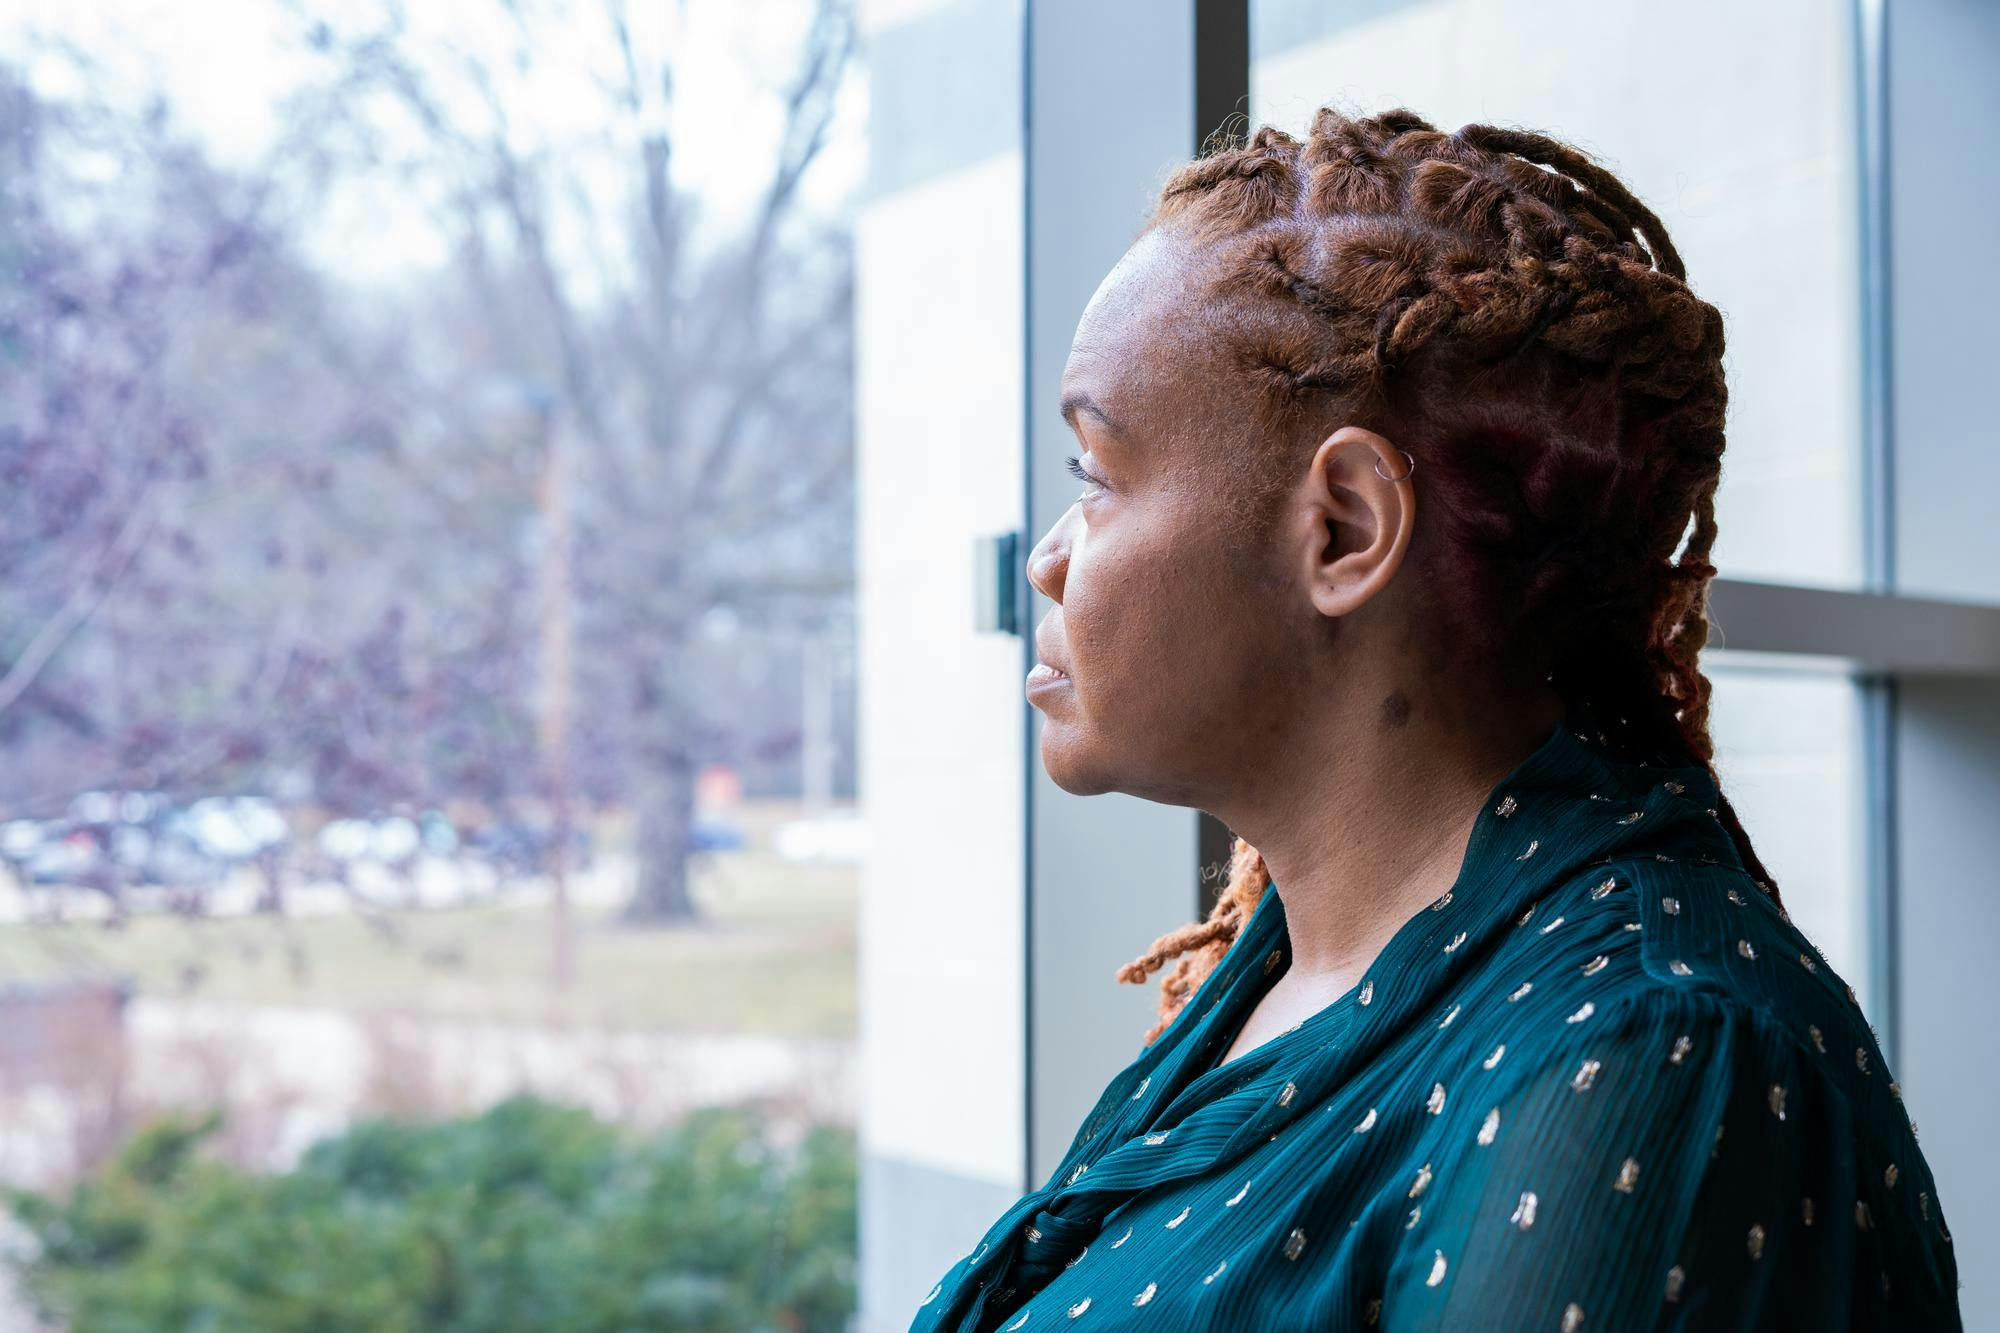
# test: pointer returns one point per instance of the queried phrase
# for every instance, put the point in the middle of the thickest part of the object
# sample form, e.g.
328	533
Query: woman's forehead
1147	335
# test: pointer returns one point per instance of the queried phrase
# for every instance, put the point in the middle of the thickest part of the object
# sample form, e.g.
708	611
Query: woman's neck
1365	820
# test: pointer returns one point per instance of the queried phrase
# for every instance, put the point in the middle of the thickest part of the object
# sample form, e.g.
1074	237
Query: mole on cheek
1396	709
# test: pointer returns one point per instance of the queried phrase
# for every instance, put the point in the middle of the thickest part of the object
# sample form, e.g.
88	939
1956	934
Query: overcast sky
224	65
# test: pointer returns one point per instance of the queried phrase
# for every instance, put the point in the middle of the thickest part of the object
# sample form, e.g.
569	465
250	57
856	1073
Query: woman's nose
1047	563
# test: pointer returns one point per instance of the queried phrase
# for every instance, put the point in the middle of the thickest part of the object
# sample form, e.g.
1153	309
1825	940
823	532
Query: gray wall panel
1948	843
1944	181
923	1220
1110	113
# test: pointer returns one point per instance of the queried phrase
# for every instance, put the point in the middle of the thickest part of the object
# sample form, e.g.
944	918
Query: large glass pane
1744	144
427	662
1790	748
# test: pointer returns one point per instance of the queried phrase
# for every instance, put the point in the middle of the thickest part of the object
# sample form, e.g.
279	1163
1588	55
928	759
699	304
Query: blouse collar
1173	1114
1568	805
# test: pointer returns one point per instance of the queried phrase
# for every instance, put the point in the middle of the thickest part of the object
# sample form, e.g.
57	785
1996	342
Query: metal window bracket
997	579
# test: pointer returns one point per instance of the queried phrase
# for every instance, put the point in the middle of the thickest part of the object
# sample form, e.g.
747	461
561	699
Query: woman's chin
1065	758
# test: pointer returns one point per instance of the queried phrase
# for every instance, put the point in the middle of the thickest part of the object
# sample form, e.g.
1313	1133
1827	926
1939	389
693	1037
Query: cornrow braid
1525	323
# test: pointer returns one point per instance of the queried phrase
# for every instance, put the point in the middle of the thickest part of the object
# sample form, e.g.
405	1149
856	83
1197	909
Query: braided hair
1500	305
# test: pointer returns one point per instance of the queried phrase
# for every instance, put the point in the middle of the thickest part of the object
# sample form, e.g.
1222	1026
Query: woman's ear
1356	509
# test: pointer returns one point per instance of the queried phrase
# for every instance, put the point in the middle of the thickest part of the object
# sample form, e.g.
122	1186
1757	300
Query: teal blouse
1603	1083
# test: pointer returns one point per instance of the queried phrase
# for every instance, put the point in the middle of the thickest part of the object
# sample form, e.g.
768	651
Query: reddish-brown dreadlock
1483	297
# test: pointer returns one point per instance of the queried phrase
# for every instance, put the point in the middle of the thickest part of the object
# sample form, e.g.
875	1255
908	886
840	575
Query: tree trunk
665	815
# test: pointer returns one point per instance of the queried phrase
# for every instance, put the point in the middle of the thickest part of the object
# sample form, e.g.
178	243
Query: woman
1389	440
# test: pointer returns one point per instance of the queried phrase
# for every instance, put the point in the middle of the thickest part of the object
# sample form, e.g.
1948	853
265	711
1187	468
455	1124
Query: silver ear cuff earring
1406	473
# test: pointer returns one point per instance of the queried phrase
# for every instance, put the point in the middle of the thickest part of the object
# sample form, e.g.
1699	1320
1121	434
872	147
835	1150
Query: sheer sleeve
1675	1162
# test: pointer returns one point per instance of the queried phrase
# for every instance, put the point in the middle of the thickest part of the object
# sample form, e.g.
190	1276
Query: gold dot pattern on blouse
1140	1091
1632	818
1158	1138
1421	974
1442	902
1508	805
1079	1257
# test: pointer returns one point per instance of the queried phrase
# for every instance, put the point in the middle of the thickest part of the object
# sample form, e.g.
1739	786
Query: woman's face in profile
1179	642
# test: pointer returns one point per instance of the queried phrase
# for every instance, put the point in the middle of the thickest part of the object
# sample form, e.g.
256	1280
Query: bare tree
699	389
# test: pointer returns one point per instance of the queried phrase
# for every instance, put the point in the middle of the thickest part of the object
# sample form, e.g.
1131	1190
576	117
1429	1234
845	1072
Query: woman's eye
1075	466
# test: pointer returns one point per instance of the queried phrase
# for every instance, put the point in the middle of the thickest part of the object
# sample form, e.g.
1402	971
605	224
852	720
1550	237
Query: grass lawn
773	954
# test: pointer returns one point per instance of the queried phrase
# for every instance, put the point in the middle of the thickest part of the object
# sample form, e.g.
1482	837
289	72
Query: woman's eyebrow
1076	400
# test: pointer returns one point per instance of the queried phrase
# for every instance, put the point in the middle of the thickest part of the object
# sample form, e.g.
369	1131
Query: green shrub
530	1217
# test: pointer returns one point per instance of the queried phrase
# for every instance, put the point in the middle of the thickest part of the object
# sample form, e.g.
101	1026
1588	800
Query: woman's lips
1045	677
